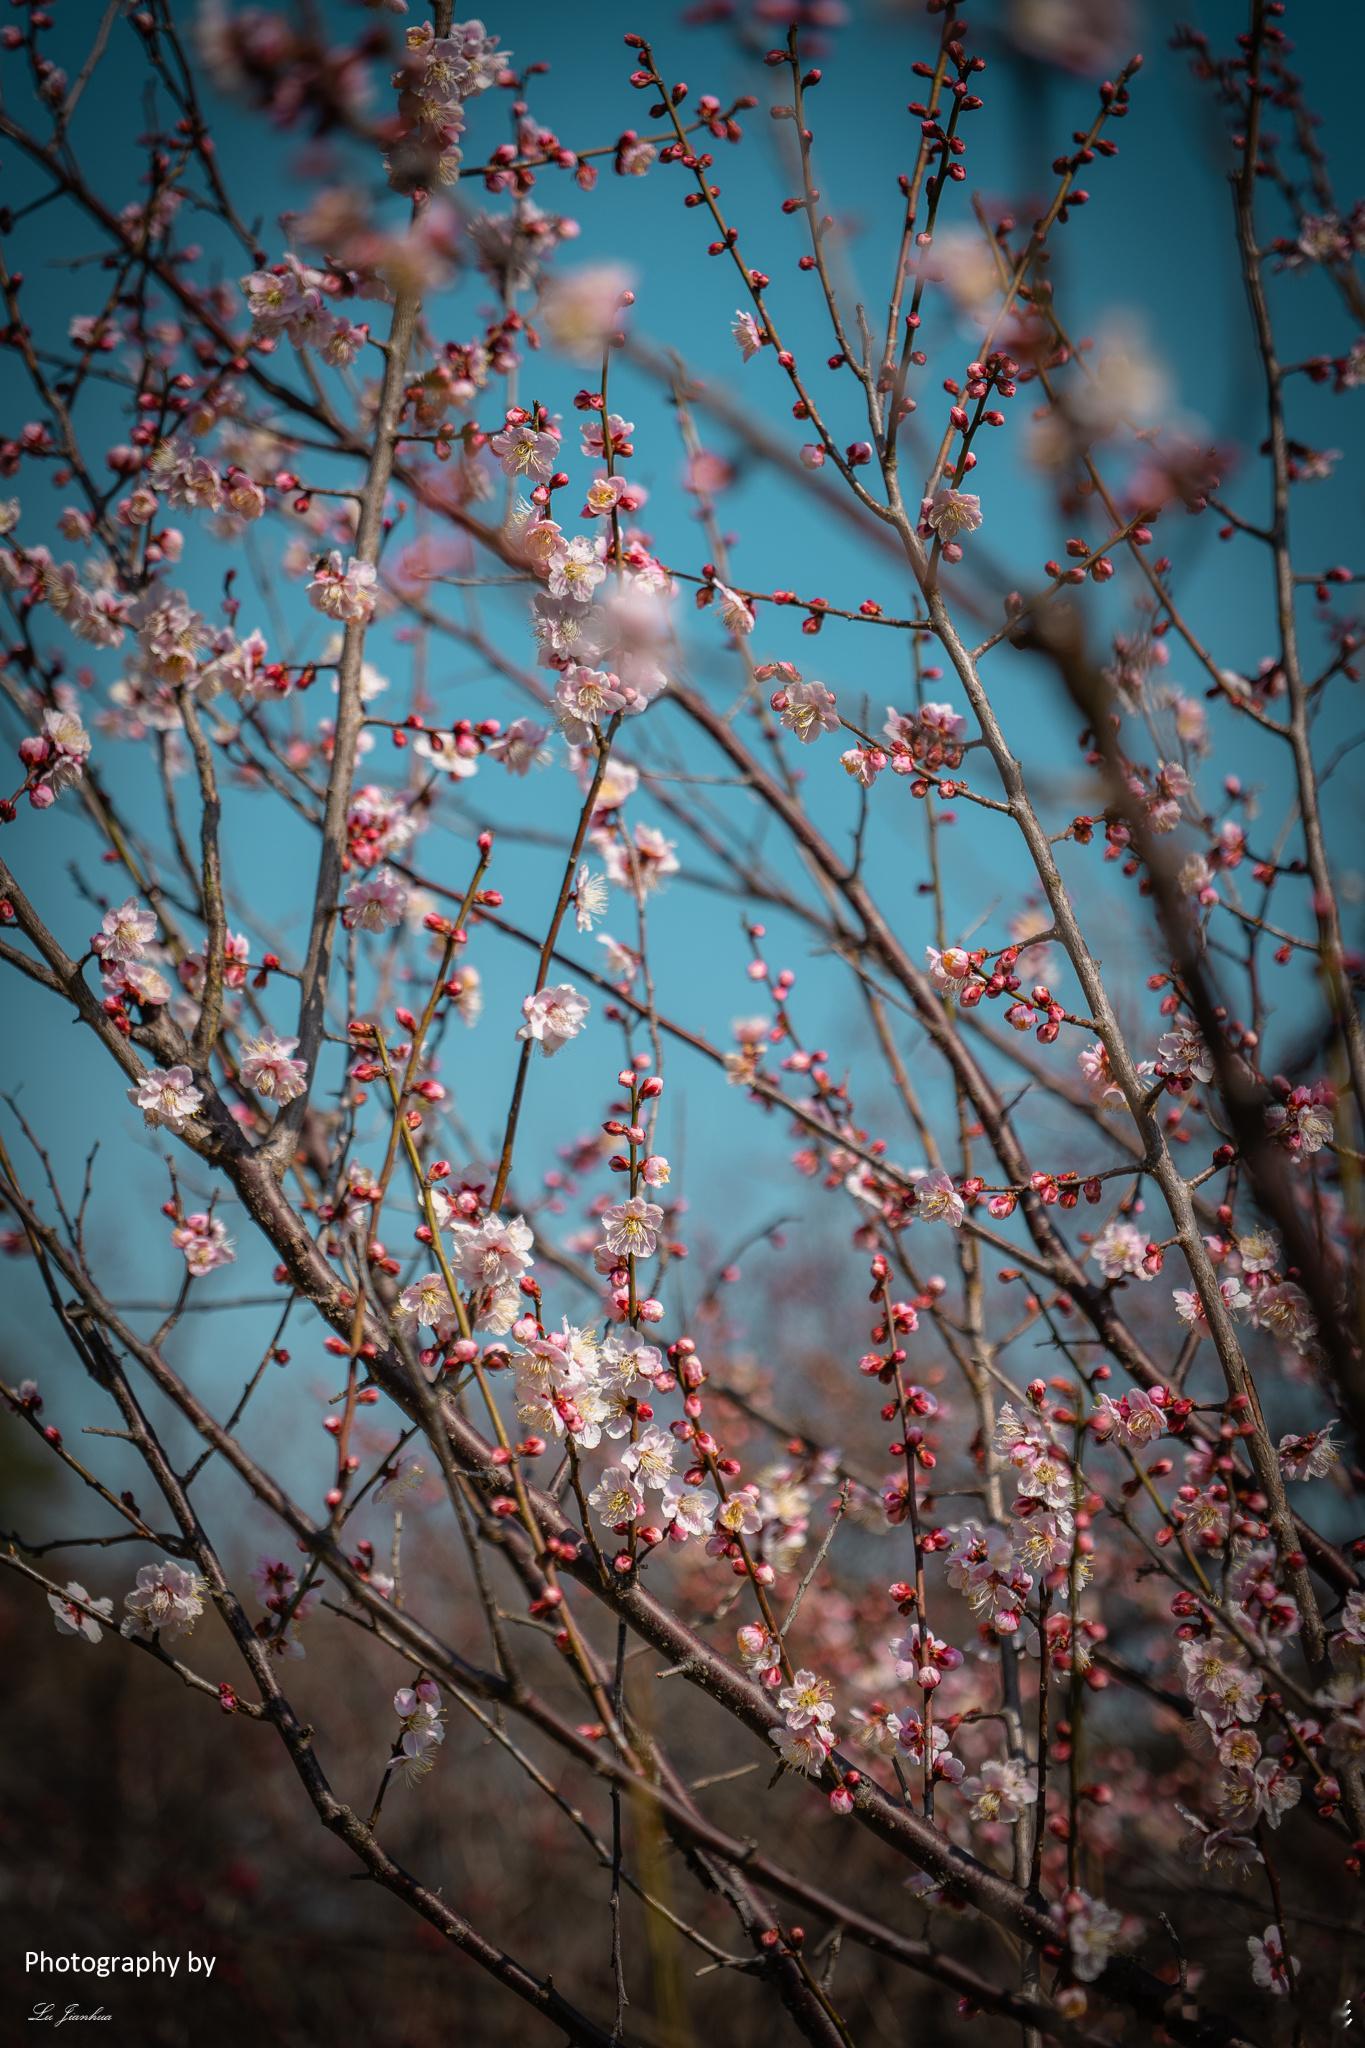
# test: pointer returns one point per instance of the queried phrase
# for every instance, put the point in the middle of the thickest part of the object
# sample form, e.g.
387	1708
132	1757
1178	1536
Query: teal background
1154	246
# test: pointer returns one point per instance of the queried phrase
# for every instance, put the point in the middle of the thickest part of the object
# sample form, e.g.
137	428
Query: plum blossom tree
1074	1656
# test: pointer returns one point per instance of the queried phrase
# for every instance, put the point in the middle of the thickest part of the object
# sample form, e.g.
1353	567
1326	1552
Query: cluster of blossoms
1171	785
439	74
603	1400
807	1737
912	1734
1255	1781
603	625
570	1383
490	1254
172	642
88	600
165	1602
192	483
267	1065
603	622
983	1567
1303	1122
204	1242
286	1605
380	824
132	967
1138	1417
290	299
963	977
54	758
930	737
1045	1503
1252	1285
175	650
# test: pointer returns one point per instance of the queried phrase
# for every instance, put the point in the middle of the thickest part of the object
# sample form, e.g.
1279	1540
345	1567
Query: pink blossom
617	436
1303	1122
803	1749
747	334
553	1016
950	513
688	1510
1001	1791
1271	1969
165	1602
267	1067
1283	1309
56	757
167	1095
736	612
518	746
422	1730
632	1228
525	451
1135	1418
759	1652
492	1252
124	934
374	902
808	1701
1093	1061
204	1241
575	569
1120	1252
740	1515
581	308
347	594
807	709
1182	1052
616	1499
1308	1457
586	699
426	1304
916	1736
864	764
937	1199
1092	1929
74	1616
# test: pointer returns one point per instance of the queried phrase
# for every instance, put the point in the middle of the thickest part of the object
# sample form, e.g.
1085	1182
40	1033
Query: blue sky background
1154	248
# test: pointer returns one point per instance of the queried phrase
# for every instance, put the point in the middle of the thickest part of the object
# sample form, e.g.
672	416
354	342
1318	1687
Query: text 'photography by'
682	1128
